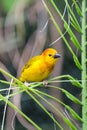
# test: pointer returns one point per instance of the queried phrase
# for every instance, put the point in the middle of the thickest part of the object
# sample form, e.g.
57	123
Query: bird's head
51	56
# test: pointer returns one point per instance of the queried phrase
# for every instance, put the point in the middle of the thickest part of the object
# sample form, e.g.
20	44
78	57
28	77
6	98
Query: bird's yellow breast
37	71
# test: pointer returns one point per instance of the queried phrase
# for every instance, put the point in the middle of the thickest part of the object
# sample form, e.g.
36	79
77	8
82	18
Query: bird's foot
26	84
45	83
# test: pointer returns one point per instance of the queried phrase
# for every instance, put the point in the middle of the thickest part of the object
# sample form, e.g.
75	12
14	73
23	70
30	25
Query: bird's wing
31	62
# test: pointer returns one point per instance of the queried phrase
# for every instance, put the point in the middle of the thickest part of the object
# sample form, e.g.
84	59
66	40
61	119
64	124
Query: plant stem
84	83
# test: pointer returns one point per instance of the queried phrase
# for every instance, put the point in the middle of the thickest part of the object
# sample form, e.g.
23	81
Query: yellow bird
38	68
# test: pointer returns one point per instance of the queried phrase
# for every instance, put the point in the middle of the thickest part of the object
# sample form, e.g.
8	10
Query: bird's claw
45	83
26	84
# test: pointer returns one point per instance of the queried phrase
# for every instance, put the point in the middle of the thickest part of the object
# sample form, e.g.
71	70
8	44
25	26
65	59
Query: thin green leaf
71	97
67	121
19	111
77	62
75	25
60	32
77	8
73	37
4	82
72	16
45	110
11	76
74	81
74	114
70	124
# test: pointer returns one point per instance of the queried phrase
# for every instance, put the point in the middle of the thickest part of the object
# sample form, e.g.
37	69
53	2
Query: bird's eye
50	55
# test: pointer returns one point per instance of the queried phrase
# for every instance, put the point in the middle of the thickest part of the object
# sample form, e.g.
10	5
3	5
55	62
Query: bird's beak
57	56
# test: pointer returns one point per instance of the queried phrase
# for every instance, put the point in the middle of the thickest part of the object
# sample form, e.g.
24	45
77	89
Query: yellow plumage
39	67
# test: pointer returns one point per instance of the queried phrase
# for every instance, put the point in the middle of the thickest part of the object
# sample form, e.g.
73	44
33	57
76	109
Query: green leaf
77	62
72	126
71	97
74	114
66	120
74	81
20	112
77	8
73	37
73	17
76	25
